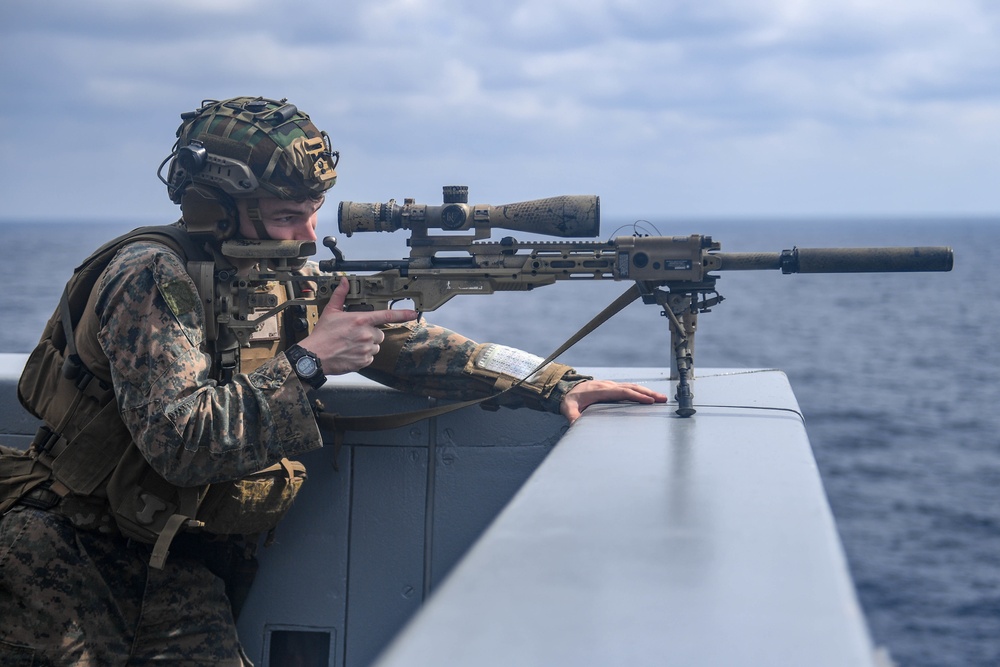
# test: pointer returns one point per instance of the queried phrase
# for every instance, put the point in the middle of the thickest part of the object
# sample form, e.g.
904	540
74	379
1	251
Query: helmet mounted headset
245	148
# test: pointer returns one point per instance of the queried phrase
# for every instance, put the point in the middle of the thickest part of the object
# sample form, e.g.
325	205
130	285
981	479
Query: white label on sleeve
508	361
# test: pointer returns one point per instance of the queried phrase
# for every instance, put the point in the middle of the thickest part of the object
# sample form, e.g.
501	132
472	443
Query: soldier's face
284	220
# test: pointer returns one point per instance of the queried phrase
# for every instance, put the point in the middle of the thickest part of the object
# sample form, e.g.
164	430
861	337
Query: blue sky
664	108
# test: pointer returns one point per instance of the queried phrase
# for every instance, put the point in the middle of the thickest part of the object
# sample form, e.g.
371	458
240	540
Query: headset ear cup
207	210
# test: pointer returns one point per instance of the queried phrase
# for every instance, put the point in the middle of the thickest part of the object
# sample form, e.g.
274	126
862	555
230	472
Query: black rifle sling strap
339	424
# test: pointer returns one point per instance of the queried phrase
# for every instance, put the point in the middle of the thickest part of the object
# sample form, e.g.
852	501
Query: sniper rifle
673	272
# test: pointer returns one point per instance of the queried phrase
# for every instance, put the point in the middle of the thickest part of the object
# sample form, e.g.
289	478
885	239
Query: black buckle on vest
41	498
72	366
74	369
44	438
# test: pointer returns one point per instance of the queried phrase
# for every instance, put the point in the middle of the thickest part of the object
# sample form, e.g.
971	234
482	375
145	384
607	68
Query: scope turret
562	216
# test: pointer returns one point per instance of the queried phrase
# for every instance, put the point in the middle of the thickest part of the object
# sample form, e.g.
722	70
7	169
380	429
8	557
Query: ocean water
896	375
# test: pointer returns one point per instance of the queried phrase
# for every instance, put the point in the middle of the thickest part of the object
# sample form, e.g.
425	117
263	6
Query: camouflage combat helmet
245	148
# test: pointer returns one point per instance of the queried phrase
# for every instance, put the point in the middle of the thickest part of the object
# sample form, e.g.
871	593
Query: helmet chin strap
256	219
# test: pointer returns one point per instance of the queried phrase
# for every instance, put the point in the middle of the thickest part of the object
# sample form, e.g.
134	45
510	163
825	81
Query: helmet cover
250	147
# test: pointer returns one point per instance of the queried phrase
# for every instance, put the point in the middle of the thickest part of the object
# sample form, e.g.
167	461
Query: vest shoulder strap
78	289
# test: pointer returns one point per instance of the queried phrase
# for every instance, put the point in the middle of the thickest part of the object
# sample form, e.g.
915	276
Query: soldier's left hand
605	391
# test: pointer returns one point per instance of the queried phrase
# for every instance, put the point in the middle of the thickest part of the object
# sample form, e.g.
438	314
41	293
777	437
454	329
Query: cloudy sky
664	108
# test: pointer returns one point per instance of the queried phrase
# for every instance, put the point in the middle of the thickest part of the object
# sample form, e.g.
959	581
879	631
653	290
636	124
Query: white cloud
729	101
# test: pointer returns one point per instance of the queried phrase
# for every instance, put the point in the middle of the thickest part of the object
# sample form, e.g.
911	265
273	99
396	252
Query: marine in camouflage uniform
73	589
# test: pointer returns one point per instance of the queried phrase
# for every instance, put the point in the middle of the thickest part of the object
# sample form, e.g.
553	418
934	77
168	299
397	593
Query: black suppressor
841	260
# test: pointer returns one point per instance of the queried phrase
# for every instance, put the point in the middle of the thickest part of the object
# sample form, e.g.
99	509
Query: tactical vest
84	449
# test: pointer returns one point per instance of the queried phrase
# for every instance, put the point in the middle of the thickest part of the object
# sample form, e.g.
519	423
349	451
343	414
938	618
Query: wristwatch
306	366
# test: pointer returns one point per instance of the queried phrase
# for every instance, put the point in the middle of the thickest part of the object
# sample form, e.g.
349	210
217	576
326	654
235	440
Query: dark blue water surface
896	375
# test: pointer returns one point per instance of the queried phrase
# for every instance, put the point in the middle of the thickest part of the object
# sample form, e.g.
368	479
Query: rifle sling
340	424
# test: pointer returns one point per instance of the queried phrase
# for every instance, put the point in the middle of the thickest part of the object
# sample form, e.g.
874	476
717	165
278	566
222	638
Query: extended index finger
380	317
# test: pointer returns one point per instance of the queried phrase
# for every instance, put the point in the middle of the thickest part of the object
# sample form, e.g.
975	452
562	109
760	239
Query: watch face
306	366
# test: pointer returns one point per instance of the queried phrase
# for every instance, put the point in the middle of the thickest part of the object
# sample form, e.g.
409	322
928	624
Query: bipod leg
681	310
682	330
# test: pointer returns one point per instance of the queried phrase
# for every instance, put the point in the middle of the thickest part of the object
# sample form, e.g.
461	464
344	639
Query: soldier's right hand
348	341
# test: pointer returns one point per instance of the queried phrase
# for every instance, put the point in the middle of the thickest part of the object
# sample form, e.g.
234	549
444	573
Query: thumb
570	409
336	302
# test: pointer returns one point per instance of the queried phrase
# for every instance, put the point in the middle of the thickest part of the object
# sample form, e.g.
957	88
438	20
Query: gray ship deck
501	538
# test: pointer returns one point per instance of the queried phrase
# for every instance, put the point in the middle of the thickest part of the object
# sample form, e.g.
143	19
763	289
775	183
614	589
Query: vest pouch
89	458
253	504
37	388
141	501
19	474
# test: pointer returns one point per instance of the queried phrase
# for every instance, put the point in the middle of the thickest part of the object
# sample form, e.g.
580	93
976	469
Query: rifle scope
563	216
